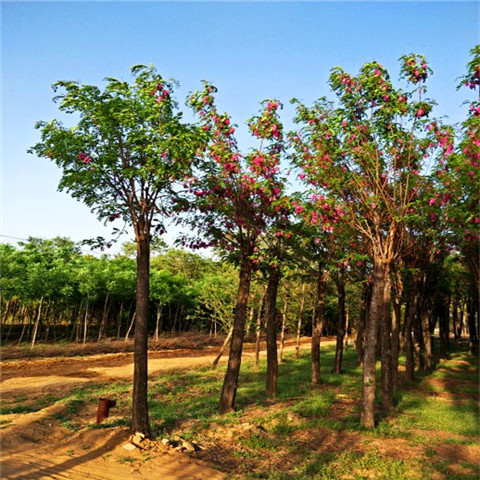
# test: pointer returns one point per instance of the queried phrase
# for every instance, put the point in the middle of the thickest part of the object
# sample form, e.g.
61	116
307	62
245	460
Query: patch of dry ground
35	446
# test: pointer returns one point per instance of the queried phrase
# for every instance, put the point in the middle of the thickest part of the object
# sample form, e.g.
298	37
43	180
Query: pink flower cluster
84	157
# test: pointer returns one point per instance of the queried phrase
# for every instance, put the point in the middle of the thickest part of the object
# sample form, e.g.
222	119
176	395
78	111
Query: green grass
426	413
186	403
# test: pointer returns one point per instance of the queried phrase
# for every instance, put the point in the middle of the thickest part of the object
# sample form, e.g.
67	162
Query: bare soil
35	446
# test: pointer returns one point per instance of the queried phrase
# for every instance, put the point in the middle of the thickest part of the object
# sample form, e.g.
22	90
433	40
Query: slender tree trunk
140	421
271	321
362	321
130	327
427	339
456	333
396	322
386	353
410	312
104	319
37	323
24	324
317	326
284	323
230	382
14	314
47	321
85	321
222	350
119	320
250	319
377	311
444	317
341	323
300	320
396	326
6	311
259	329
157	322
472	328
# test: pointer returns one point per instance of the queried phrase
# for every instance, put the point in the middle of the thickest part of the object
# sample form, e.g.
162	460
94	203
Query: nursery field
50	397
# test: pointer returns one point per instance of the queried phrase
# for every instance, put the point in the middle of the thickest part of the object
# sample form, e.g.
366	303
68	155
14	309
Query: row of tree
51	291
389	194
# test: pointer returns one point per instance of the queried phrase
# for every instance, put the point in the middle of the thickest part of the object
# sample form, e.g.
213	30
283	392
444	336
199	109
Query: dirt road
35	446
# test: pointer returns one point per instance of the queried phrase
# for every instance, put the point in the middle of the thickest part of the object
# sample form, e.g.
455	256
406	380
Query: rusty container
104	406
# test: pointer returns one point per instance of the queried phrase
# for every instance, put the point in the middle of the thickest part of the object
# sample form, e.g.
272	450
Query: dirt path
35	446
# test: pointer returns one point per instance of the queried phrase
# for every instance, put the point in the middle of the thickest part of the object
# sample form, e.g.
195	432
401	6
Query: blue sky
249	50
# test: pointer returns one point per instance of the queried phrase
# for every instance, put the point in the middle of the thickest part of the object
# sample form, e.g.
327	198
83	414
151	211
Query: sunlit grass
185	402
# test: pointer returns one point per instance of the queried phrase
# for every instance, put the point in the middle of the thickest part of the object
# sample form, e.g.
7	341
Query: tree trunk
5	312
224	346
157	322
271	327
37	323
427	339
300	319
259	329
14	314
410	312
24	324
47	321
396	326
132	322
472	328
377	311
140	422
386	353
341	323
444	317
119	320
317	326
284	324
362	321
85	322
250	319
456	333
104	319
230	382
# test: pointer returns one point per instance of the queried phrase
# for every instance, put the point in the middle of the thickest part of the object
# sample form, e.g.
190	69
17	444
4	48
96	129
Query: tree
236	197
122	159
367	153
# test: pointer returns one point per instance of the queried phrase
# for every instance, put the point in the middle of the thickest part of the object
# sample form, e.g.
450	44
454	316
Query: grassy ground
306	433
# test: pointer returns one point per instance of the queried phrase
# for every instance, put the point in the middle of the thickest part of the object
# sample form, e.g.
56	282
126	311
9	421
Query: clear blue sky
249	50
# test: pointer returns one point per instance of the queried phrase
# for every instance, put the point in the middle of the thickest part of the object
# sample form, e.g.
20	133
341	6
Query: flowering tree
458	178
458	175
122	159
367	153
237	199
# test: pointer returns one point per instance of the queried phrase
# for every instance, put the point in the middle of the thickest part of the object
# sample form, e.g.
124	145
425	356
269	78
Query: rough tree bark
386	352
140	421
377	311
230	382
